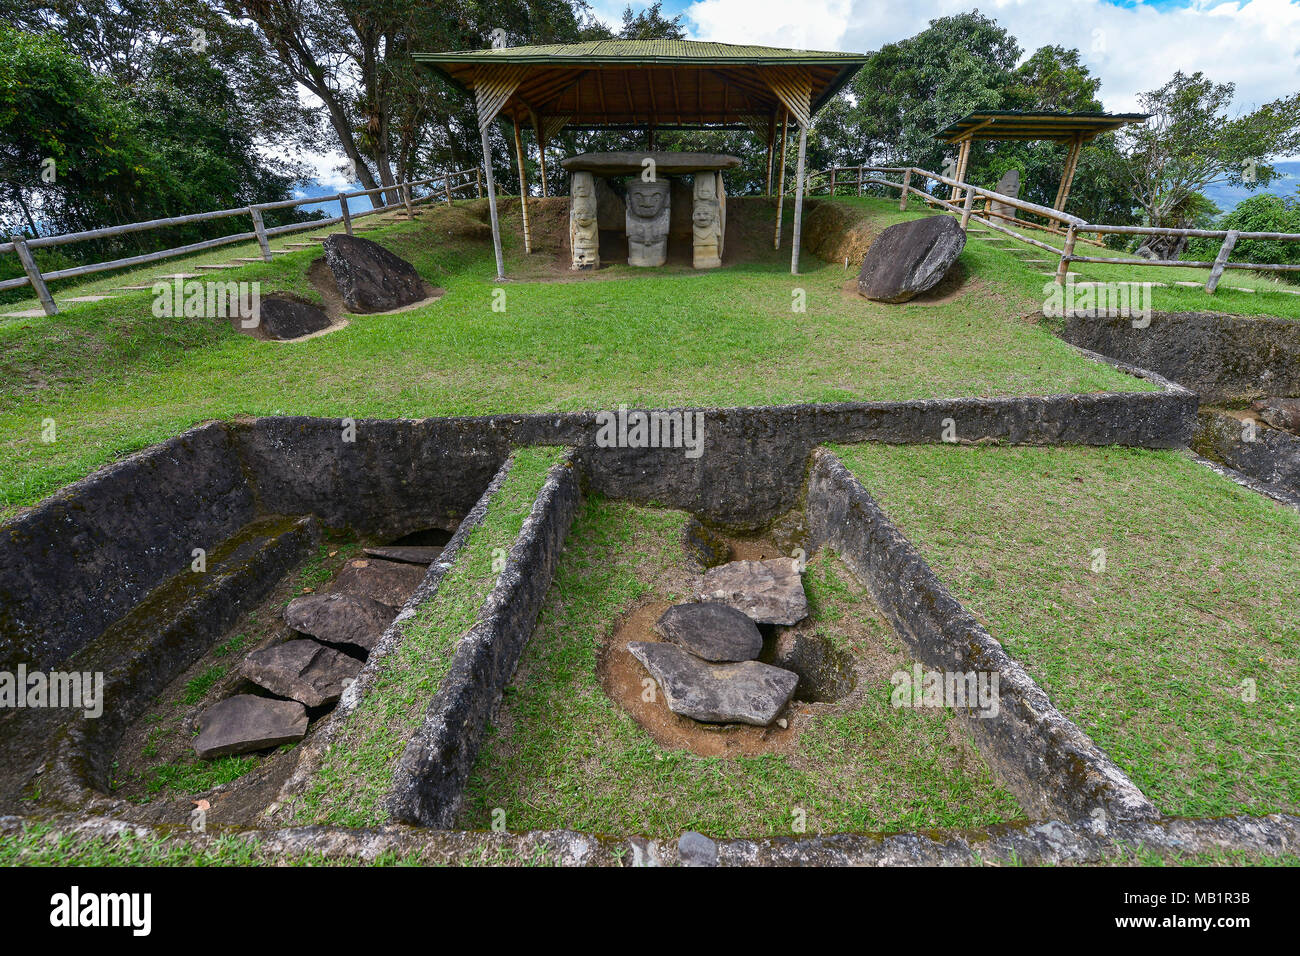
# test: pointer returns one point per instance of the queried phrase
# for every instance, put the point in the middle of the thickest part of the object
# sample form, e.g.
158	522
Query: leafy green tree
1261	213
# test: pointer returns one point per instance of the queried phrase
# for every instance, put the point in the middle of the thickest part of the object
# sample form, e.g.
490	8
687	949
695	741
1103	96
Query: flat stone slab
408	553
768	592
744	692
369	277
909	258
24	314
303	670
245	723
715	632
667	163
388	582
340	618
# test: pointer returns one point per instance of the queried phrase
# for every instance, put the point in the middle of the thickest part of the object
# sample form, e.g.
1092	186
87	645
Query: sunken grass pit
357	769
564	755
1178	656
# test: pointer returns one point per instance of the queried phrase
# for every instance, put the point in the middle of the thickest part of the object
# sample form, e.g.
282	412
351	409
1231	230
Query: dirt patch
836	232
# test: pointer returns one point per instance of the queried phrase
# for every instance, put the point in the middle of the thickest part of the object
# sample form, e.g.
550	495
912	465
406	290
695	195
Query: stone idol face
647	222
706	221
584	233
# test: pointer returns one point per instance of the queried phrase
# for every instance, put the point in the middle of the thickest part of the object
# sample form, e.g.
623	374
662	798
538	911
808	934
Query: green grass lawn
1158	654
113	378
356	773
564	755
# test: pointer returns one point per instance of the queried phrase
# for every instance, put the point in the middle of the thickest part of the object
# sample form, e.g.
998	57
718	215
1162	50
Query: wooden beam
798	202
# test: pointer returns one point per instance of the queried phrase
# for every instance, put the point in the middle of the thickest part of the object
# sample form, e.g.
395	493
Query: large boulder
746	692
338	618
303	670
245	723
769	592
910	258
714	632
369	277
280	318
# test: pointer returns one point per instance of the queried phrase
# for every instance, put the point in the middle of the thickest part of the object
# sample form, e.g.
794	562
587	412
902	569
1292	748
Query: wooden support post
478	182
1067	176
406	200
771	152
541	158
1066	253
347	216
780	183
260	228
523	187
966	208
34	274
907	185
492	203
1221	261
798	201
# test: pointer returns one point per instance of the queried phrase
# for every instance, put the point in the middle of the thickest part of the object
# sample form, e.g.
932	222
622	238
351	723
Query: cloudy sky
1131	44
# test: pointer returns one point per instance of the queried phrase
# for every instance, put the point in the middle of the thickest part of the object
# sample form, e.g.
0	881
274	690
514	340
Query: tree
651	24
1262	213
1189	143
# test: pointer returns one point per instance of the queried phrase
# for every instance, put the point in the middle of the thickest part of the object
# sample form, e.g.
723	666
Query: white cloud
1253	43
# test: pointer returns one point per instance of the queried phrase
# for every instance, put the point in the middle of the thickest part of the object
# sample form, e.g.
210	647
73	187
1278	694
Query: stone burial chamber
653	184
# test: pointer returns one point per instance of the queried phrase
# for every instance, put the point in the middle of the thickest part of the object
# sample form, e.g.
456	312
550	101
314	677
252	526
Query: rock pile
335	633
706	666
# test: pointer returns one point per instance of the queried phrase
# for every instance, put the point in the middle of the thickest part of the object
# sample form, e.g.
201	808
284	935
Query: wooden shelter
1072	129
652	85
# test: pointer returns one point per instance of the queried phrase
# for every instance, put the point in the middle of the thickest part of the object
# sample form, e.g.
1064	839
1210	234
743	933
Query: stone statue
584	232
647	222
706	218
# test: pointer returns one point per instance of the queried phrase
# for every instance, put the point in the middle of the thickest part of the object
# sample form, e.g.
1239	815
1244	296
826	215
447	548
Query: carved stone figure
706	219
648	213
584	232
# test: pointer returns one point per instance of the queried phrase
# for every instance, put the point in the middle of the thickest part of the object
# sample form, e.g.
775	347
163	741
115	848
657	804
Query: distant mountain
1226	197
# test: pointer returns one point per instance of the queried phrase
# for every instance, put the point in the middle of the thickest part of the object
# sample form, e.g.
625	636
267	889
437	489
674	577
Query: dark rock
714	632
303	670
909	258
1283	413
746	692
388	582
340	618
245	723
695	849
286	319
407	553
705	547
369	277
770	592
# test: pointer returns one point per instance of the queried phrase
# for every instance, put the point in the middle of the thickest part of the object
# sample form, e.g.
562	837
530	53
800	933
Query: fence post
1066	253
907	184
1221	261
260	228
347	216
833	169
34	274
478	181
966	208
859	180
406	199
446	182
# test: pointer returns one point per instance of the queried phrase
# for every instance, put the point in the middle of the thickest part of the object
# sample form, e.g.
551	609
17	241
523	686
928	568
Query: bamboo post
780	184
1221	261
34	274
966	208
347	216
1066	254
541	157
771	150
523	187
492	203
798	201
907	185
260	228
